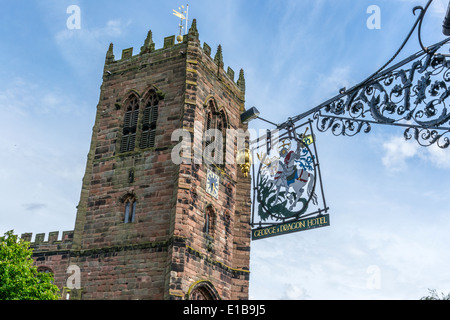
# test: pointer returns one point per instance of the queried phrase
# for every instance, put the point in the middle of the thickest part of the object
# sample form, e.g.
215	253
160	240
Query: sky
388	237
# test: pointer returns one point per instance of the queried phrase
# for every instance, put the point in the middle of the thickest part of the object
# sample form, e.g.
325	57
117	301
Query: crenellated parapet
150	55
52	239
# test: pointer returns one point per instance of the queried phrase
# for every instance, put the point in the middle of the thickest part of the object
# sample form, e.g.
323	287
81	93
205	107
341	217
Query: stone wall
221	257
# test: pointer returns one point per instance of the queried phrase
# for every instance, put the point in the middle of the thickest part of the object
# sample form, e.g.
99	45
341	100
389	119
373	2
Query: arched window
209	220
130	124
203	290
44	270
209	120
130	209
201	294
215	121
222	126
149	122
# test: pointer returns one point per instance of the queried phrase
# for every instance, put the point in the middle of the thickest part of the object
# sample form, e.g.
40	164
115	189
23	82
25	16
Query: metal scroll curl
427	137
413	96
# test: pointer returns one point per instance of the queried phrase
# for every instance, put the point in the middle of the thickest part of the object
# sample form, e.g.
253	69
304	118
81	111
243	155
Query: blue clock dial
212	184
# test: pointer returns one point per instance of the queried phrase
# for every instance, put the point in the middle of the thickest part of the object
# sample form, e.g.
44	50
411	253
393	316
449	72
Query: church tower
149	227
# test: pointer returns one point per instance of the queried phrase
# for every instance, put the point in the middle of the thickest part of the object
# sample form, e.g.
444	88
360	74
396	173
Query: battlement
169	42
53	238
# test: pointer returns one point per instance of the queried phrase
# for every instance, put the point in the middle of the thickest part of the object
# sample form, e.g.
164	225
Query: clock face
212	184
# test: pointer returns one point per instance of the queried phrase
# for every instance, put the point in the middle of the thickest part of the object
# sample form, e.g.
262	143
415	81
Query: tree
19	278
435	296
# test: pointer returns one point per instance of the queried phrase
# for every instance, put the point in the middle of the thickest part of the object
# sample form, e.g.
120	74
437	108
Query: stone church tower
146	227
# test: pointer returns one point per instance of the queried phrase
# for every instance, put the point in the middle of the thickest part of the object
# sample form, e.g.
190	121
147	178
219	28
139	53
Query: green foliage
19	278
435	296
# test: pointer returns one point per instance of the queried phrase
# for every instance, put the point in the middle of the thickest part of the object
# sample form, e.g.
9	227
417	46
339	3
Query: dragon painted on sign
292	170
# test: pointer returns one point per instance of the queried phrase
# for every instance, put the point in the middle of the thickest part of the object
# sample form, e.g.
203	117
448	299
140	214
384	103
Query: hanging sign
288	187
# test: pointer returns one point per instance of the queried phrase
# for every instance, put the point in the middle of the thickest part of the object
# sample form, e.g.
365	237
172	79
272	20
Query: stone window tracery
149	121
209	220
130	124
215	120
130	209
203	290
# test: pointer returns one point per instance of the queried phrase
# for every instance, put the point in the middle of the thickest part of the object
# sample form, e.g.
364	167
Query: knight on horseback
290	176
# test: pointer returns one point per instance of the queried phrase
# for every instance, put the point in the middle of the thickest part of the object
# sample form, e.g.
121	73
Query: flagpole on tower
187	18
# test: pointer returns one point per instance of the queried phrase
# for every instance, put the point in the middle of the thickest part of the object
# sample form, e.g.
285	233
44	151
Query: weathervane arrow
178	14
182	16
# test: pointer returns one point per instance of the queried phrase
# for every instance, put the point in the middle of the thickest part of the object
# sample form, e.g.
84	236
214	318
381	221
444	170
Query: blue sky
388	198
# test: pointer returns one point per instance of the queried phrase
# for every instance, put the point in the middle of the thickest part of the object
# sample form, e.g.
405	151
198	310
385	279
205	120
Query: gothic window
207	223
203	290
130	124
149	122
130	210
44	270
209	121
215	120
222	126
200	294
209	220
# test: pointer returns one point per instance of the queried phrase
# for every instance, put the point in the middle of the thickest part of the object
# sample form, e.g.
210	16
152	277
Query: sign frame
291	227
267	220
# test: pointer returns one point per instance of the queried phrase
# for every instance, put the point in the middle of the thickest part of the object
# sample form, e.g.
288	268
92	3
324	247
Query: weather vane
183	15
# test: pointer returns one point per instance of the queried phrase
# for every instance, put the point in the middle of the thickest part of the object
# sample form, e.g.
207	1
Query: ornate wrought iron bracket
412	94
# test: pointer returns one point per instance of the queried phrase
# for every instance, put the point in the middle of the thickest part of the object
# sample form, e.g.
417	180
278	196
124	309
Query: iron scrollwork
413	96
410	94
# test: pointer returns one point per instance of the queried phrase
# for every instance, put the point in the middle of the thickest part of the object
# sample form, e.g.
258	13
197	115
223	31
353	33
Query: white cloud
437	7
439	157
79	44
330	83
24	99
294	292
43	156
34	206
398	151
113	28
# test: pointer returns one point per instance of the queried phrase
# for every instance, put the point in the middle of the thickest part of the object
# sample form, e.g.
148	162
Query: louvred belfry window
130	125
210	123
149	123
216	120
222	127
